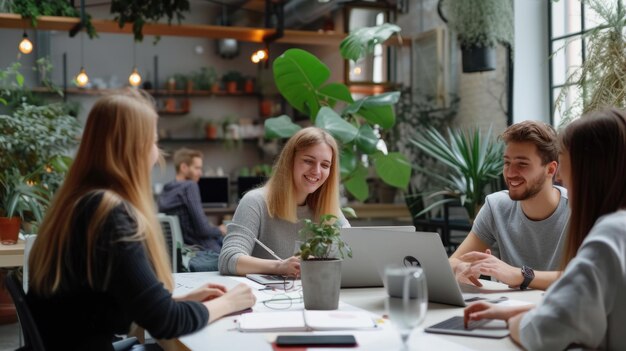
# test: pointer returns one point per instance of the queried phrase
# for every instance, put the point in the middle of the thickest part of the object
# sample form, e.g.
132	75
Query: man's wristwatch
528	275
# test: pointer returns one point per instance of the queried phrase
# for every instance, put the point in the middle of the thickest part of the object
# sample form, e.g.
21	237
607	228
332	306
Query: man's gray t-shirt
517	240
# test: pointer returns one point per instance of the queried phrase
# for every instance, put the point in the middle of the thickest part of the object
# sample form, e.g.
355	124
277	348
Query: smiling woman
304	185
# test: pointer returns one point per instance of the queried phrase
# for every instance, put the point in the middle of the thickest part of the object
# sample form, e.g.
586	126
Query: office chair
32	338
173	237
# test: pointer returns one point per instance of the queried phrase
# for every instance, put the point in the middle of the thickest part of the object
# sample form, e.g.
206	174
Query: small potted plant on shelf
320	266
232	80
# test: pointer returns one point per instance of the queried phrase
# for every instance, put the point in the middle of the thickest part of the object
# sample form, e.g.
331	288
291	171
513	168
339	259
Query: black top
79	317
182	199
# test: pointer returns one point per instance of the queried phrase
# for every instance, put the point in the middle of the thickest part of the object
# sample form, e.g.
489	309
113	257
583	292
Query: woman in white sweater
586	305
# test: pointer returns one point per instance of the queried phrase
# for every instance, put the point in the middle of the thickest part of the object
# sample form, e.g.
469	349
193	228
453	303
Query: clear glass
407	302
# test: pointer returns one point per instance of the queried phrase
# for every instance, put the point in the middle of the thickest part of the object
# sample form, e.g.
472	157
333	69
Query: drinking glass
407	302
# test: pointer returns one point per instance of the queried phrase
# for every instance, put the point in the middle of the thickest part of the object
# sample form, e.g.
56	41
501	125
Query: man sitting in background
181	197
525	224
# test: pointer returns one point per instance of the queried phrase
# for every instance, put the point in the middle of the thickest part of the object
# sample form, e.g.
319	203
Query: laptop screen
245	184
214	191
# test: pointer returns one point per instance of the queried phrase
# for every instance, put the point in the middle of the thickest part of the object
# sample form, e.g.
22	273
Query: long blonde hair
113	159
281	199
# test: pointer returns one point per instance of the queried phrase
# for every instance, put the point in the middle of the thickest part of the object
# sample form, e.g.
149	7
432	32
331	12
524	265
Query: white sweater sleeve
576	308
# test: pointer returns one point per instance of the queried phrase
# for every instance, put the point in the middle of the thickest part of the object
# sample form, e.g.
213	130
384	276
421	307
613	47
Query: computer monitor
214	191
245	184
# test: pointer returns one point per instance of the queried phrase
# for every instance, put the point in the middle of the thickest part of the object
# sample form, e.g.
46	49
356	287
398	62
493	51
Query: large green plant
35	141
480	22
471	160
600	80
302	78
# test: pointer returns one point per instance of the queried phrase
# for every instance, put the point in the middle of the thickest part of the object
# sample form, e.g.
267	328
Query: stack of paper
306	321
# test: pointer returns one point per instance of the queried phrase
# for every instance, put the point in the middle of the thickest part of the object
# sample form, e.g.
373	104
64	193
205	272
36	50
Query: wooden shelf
204	140
157	93
254	35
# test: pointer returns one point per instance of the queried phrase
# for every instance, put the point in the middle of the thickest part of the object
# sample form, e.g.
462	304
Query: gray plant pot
321	281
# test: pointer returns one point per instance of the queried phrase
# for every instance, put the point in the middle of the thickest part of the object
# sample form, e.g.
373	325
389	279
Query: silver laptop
374	248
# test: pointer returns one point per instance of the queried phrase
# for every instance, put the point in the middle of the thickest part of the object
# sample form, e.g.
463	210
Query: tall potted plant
480	25
301	79
471	160
320	266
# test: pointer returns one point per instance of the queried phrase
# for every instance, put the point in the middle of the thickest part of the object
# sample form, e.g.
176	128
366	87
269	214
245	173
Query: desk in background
12	255
223	335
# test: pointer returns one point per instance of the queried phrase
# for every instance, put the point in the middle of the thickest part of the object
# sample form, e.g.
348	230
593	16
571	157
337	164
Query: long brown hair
281	201
113	159
596	145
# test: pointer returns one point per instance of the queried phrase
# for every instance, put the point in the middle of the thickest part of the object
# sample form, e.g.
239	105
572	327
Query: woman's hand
289	266
484	310
238	298
205	292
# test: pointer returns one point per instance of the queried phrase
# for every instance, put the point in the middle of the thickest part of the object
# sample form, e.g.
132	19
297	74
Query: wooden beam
255	35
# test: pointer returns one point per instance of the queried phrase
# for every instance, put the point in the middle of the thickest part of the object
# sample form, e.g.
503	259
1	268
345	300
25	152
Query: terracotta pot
231	87
249	86
211	131
9	230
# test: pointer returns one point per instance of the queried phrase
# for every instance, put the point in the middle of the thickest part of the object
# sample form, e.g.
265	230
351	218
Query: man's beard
534	187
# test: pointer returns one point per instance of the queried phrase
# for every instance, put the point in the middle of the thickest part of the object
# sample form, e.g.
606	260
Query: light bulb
255	58
26	47
81	78
261	54
134	79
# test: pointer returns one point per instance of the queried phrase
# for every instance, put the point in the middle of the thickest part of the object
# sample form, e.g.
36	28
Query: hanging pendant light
26	46
82	79
134	79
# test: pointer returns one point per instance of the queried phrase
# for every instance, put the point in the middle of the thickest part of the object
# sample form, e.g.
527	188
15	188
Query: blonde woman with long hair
304	184
99	261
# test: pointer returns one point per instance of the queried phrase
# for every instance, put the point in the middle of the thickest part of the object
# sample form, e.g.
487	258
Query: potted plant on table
320	266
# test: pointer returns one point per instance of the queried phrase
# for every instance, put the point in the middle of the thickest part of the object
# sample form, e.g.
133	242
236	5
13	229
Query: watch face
528	272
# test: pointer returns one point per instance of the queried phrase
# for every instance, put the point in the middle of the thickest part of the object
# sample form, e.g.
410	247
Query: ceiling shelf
158	93
254	35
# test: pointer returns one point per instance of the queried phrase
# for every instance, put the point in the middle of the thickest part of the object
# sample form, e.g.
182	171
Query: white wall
530	89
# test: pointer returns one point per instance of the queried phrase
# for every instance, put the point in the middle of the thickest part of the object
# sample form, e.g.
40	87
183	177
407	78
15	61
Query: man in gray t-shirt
525	226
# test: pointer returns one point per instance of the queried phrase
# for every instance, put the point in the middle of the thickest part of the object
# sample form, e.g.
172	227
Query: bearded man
519	233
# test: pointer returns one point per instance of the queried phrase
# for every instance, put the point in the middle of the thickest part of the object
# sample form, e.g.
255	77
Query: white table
222	334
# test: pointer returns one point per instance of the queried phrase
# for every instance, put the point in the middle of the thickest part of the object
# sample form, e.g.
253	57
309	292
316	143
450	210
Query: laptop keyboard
456	323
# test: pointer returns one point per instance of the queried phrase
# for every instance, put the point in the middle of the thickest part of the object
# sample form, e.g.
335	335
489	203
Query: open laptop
375	248
214	191
245	184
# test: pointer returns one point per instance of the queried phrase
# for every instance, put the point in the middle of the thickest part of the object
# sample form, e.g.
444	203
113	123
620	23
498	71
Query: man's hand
464	274
222	229
486	264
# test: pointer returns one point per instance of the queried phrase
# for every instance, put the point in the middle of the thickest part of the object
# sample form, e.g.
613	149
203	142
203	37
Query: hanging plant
140	12
36	8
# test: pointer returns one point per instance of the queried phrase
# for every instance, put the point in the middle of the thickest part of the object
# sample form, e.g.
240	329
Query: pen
267	249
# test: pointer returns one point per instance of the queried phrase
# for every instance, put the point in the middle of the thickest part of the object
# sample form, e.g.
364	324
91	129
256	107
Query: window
569	20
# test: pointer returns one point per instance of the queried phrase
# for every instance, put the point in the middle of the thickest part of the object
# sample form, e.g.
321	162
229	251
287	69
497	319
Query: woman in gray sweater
304	184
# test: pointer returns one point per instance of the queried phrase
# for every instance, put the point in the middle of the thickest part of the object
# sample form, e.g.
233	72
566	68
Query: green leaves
280	127
322	239
362	41
301	79
472	162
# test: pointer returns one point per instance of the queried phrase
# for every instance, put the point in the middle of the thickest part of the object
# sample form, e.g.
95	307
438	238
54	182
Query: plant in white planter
320	266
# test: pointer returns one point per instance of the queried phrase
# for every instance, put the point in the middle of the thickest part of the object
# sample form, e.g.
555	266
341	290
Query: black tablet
316	340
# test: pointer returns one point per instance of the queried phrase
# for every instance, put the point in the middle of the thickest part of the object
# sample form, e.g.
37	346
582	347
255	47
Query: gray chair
173	240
